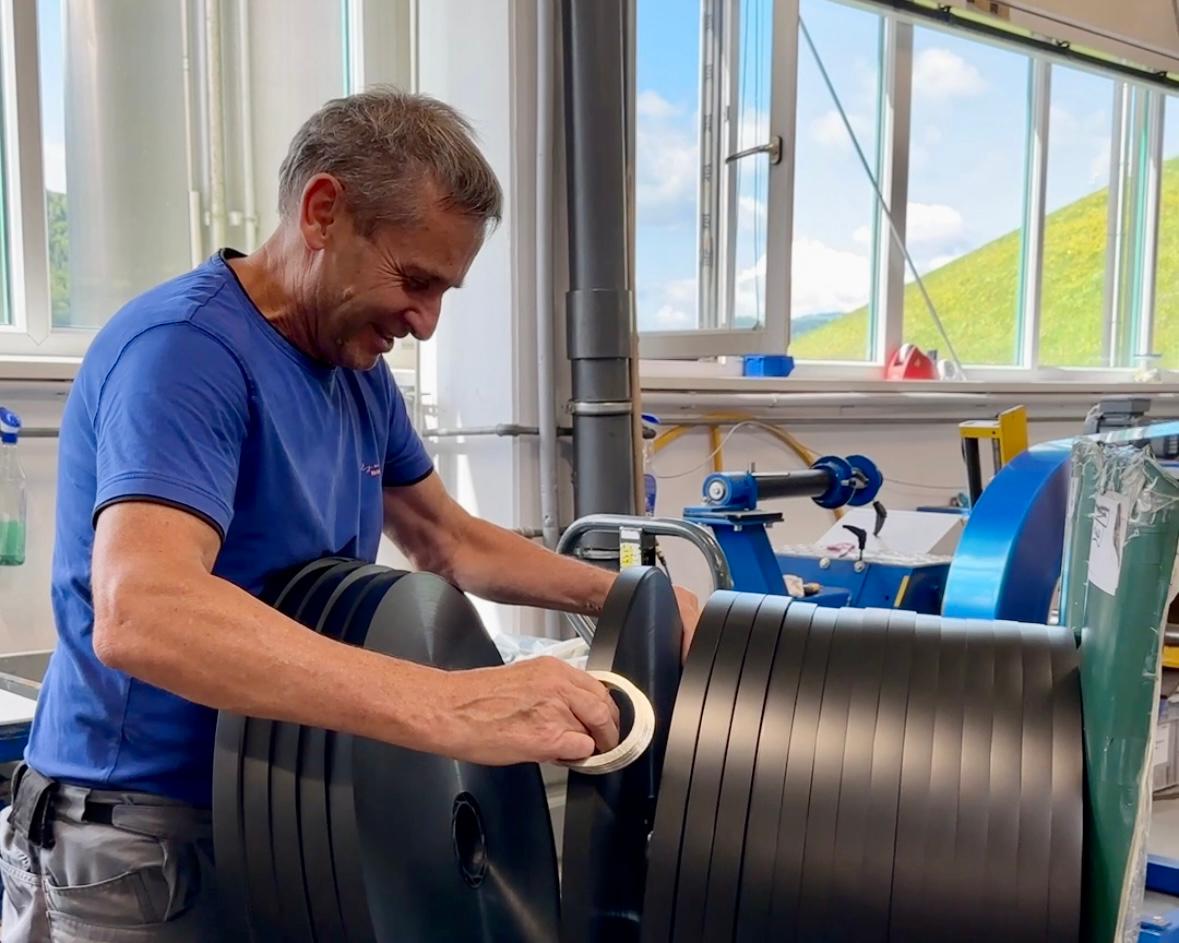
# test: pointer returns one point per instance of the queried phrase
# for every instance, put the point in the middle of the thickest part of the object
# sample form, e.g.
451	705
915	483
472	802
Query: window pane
751	174
966	195
667	158
129	148
5	259
1166	325
1075	229
834	202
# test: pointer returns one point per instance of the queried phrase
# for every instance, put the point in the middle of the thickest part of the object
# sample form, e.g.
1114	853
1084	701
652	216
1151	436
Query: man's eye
418	284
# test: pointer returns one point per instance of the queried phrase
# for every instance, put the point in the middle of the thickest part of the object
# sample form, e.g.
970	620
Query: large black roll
912	773
450	850
608	819
241	785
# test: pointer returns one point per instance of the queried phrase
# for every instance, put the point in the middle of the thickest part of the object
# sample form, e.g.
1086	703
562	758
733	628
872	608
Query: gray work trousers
90	865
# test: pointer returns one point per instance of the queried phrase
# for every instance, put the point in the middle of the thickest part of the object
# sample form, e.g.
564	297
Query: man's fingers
599	716
574	746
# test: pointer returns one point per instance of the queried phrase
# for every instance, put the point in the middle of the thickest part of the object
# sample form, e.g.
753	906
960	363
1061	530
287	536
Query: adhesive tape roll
634	744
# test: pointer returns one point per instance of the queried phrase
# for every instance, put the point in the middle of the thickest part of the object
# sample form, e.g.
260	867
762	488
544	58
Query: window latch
773	148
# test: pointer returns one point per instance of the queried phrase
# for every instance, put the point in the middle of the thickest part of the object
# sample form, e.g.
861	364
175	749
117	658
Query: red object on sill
910	363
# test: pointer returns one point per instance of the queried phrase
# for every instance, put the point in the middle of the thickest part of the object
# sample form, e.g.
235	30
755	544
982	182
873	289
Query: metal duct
599	303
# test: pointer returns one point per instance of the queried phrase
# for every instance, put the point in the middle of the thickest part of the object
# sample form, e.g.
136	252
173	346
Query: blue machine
730	509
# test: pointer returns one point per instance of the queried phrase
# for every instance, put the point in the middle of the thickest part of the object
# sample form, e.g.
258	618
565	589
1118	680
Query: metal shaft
599	302
800	484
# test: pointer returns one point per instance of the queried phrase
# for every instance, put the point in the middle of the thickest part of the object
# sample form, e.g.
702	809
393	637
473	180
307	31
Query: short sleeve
406	461
169	424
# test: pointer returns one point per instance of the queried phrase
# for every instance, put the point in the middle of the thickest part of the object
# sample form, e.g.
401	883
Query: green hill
975	295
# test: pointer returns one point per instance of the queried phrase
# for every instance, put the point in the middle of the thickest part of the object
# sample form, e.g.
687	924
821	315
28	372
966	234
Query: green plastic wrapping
1123	527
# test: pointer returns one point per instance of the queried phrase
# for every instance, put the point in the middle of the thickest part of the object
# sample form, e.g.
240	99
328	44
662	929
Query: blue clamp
846	474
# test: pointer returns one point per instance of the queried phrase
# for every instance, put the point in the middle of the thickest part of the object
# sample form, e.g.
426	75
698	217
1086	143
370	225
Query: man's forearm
212	643
499	565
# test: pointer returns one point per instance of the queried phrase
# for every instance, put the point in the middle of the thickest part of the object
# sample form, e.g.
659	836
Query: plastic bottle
650	487
13	499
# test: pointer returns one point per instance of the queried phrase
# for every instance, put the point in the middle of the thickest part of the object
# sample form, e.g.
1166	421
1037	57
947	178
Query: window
1166	292
1033	191
1076	229
667	166
834	239
138	140
966	195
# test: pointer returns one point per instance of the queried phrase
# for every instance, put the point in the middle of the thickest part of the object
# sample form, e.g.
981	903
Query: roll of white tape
634	744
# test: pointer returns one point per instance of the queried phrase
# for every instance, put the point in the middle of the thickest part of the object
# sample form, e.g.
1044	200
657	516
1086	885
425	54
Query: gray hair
384	146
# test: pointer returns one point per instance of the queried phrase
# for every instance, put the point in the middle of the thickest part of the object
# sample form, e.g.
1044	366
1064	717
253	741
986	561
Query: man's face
368	292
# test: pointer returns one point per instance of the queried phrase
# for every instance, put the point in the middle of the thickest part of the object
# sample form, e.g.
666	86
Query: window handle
773	148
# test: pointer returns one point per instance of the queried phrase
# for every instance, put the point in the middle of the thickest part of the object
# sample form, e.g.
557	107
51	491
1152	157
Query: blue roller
1008	561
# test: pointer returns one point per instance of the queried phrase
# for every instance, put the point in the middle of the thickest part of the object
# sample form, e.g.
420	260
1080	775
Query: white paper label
630	548
1105	549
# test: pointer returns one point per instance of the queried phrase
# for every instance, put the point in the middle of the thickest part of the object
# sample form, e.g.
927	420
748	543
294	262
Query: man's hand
534	711
689	616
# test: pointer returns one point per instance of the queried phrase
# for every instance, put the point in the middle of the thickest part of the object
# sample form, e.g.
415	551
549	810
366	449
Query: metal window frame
1151	221
31	333
894	124
773	336
1031	268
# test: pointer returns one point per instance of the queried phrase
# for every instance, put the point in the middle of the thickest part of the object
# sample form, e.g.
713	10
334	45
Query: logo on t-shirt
373	471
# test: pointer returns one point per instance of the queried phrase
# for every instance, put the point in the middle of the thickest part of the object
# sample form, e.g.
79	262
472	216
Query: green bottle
13	496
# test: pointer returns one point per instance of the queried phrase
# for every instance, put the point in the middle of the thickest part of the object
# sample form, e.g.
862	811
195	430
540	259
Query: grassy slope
976	294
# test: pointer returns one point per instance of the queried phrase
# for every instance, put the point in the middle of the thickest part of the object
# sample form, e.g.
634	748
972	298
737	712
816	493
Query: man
228	425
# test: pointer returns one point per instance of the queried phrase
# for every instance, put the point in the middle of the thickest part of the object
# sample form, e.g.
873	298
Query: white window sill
38	367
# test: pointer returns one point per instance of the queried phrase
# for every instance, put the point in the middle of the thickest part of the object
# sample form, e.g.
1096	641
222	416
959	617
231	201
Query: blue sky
969	126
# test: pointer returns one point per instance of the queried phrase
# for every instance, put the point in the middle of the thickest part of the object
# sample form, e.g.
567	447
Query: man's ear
321	207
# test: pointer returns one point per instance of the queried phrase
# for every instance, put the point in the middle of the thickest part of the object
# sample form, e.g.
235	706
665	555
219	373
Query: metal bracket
773	148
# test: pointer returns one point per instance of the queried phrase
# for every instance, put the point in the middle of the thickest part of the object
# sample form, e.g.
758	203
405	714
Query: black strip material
796	791
942	810
608	819
720	914
265	897
819	865
874	886
319	873
716	722
342	825
765	803
495	878
859	657
286	739
1000	889
671	809
1064	892
909	861
974	784
1035	822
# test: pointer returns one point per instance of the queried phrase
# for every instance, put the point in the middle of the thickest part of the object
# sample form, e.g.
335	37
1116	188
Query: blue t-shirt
191	398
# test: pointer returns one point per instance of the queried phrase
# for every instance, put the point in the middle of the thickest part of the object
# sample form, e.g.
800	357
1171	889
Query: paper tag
1162	745
1105	548
630	548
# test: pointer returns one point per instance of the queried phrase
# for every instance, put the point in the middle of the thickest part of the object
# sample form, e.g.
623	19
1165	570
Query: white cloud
668	158
828	129
680	291
924	223
932	222
939	75
55	166
650	104
669	318
826	279
1099	168
939	260
751	212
